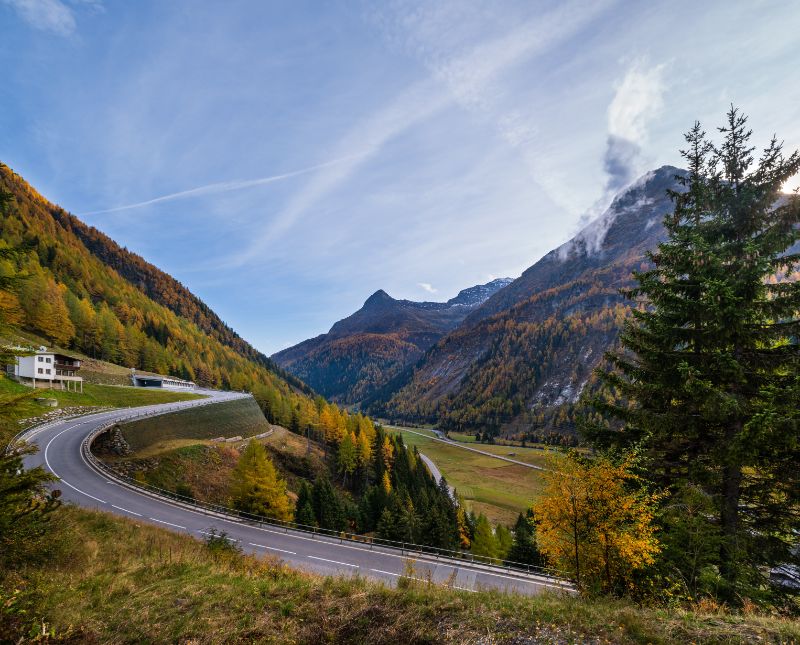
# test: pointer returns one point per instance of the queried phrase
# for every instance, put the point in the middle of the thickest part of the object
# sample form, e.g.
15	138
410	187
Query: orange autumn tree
595	522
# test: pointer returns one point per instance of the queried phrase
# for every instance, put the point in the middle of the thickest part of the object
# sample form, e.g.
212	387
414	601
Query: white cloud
47	15
427	287
639	98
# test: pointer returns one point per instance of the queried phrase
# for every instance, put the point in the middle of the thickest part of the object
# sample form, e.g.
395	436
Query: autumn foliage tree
256	487
595	522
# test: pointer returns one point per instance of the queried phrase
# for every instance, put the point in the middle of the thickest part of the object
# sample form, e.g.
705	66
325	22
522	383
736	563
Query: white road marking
47	461
126	510
346	564
391	555
402	575
177	526
271	548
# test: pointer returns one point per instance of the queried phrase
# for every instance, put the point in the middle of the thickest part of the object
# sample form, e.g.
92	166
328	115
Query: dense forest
82	291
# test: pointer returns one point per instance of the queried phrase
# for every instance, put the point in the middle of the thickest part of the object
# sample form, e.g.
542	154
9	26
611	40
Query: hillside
163	587
83	292
519	362
364	351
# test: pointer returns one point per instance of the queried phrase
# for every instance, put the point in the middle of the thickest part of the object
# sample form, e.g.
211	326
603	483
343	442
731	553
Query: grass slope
112	580
93	396
498	489
230	419
175	450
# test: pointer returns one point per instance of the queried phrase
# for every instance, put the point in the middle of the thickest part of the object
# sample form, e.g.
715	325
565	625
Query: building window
41	371
48	360
40	359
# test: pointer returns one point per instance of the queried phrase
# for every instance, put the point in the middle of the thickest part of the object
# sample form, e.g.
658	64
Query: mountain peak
478	294
380	297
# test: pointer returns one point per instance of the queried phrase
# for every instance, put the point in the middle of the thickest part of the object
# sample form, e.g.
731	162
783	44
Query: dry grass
111	580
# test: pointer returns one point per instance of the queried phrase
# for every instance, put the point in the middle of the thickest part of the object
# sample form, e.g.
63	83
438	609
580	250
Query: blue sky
286	159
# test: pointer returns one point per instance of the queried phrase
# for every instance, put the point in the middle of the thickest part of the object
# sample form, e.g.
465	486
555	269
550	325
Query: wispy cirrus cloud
222	187
465	76
48	15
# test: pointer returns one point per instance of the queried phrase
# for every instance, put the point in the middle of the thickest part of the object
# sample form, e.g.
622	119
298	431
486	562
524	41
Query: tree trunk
729	515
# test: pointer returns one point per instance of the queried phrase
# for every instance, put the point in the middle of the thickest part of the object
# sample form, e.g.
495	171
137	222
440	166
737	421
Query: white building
48	369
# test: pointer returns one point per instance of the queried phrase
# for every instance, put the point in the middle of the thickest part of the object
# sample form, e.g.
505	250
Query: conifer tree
256	487
484	542
708	382
524	548
304	508
327	507
346	457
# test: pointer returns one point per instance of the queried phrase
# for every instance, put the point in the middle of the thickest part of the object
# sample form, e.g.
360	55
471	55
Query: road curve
60	452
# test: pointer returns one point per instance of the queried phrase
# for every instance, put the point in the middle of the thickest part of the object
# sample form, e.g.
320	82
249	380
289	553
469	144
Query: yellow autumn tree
328	421
364	446
256	487
594	522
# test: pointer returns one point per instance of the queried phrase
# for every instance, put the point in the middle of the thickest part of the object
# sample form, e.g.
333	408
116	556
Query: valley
498	489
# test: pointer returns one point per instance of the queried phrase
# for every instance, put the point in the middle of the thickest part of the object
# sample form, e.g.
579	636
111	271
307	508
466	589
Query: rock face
521	360
364	351
111	442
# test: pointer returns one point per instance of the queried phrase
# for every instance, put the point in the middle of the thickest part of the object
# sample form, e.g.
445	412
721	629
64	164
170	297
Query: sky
284	160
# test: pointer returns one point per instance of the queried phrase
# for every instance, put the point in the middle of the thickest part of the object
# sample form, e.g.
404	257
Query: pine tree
346	457
256	487
327	507
524	548
304	508
709	382
484	542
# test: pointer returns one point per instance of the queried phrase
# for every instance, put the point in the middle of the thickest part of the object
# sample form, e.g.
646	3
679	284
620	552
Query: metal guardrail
514	568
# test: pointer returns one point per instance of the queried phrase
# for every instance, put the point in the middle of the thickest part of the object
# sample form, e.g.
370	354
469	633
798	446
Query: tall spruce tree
707	382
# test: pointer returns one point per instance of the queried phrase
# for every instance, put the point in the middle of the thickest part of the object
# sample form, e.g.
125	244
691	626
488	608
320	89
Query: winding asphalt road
60	452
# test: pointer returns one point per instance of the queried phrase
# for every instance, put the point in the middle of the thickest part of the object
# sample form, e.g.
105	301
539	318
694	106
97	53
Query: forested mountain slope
83	291
370	347
519	363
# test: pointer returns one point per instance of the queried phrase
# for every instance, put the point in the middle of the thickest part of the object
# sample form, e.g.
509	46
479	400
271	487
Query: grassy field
93	396
241	417
494	487
156	586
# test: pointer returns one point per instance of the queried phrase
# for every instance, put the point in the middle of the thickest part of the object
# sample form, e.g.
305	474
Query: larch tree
256	487
708	379
594	522
484	542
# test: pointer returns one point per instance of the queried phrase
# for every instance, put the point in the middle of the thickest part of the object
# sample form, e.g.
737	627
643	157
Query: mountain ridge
519	362
366	349
83	291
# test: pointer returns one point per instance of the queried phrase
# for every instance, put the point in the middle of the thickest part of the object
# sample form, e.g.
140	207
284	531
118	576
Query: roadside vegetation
156	586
